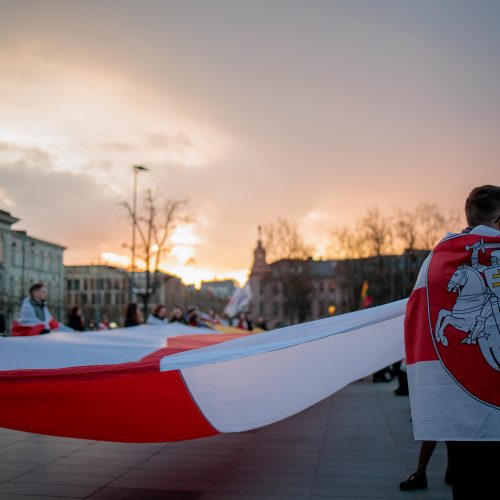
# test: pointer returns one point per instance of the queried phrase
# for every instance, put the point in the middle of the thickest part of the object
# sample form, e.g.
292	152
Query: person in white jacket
158	316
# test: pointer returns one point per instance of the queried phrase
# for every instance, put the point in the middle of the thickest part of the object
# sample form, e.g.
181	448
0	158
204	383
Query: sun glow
181	260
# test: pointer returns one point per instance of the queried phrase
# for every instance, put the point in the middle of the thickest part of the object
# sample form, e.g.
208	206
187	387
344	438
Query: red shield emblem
464	313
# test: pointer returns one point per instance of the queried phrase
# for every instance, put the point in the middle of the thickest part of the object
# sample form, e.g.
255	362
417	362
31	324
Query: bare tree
155	226
282	240
406	229
377	232
284	243
433	223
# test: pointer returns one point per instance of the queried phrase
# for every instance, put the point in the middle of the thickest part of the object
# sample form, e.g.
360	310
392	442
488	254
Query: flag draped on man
29	324
452	337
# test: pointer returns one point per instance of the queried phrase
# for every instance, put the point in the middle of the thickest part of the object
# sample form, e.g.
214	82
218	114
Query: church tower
259	266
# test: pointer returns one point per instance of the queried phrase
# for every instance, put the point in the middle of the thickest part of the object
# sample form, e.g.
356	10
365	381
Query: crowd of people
35	318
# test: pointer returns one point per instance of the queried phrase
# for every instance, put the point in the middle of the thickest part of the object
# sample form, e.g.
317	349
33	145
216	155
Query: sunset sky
253	110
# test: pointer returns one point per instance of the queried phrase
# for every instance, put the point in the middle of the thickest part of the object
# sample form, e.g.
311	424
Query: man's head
482	207
38	292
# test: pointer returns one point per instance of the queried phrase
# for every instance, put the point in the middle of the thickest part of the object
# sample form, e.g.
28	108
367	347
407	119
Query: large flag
167	383
239	301
452	334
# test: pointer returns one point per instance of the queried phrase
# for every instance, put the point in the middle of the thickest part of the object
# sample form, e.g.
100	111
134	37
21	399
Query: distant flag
239	301
366	300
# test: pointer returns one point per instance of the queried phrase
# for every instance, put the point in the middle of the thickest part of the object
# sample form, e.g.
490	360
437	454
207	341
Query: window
84	299
76	284
321	287
69	284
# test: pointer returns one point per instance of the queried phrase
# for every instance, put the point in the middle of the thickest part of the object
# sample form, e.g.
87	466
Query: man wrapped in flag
35	317
452	340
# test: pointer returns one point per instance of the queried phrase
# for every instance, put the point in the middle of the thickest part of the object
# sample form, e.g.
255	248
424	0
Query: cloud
253	111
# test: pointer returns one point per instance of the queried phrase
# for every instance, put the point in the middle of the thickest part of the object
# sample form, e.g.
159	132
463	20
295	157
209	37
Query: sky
313	111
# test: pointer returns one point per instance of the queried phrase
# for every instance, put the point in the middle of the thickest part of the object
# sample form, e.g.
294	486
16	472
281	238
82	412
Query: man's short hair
35	287
482	206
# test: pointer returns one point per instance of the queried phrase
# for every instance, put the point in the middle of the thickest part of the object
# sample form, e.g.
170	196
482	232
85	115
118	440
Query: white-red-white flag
452	339
239	301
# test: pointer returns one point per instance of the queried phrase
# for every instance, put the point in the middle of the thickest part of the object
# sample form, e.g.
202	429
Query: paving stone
357	444
144	494
50	490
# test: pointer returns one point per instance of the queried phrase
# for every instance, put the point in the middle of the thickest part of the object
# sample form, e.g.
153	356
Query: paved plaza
356	444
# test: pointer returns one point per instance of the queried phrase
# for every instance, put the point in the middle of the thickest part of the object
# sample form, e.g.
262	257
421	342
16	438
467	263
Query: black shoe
400	391
414	482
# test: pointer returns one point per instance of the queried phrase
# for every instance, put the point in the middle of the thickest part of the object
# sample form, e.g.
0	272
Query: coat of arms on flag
452	330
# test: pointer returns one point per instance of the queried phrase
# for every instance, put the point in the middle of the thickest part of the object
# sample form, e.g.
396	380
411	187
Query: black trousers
475	469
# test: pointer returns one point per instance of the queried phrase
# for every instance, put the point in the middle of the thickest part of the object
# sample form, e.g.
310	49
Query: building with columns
25	260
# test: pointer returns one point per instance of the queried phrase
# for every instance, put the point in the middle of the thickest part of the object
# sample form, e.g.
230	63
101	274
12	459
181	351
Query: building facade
292	291
165	289
25	260
99	290
221	289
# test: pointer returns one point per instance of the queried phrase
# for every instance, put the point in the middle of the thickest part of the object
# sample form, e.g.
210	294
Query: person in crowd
104	323
35	317
398	372
158	316
472	465
3	323
222	319
133	315
192	317
75	319
244	322
177	316
261	323
383	375
418	479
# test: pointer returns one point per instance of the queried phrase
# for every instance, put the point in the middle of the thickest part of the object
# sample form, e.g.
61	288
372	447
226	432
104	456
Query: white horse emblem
477	308
469	285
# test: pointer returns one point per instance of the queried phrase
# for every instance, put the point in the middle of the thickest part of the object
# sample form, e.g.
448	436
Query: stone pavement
356	444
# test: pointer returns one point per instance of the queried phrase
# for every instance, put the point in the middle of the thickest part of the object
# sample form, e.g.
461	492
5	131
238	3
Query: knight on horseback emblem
477	307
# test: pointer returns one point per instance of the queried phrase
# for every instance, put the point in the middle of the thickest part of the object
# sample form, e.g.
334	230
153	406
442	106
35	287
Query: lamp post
136	169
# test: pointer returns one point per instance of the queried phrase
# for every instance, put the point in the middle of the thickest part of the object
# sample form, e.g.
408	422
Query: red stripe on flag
418	338
131	402
131	407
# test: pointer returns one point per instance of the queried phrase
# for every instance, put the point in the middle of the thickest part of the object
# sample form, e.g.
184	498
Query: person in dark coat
75	319
3	324
133	315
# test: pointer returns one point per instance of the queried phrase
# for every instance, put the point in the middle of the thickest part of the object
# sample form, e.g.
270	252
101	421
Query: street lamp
136	169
